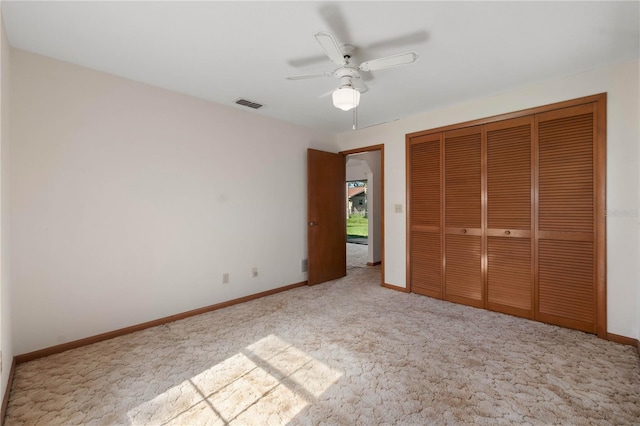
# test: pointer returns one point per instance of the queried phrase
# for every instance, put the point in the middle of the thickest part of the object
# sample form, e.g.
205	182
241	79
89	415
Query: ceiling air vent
249	104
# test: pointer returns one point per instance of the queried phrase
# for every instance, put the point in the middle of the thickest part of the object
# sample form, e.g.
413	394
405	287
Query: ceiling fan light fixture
346	98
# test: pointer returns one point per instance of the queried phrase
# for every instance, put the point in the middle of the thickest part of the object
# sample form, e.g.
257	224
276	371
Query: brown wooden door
425	274
326	218
509	216
463	216
566	259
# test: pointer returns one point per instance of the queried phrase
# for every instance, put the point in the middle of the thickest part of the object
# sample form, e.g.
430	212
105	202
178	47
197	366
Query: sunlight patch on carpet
269	381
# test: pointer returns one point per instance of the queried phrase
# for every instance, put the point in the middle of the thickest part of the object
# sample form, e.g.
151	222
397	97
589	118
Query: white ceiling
222	51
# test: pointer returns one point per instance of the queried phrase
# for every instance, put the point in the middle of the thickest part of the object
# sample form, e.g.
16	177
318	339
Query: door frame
372	148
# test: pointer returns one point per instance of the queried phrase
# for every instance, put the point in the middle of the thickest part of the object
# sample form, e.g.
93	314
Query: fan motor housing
347	71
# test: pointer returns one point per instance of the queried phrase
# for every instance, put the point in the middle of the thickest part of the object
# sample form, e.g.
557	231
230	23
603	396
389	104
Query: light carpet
346	352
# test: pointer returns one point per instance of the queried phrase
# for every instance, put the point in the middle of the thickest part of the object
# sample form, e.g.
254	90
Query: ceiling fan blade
401	41
331	47
389	61
325	94
305	76
367	77
309	60
359	85
334	19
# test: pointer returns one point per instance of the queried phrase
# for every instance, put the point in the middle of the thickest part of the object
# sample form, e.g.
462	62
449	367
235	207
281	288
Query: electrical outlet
225	278
254	272
398	208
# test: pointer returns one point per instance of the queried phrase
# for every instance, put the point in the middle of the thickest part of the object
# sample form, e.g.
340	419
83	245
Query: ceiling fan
347	96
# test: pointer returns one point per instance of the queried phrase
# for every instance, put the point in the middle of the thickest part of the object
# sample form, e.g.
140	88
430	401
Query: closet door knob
464	231
507	232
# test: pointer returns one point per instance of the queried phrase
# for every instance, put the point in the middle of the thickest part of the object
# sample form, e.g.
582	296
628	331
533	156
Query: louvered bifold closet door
509	216
463	216
425	215
566	227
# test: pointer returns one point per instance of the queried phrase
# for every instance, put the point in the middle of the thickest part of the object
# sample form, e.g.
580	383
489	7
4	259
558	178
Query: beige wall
6	334
130	202
621	82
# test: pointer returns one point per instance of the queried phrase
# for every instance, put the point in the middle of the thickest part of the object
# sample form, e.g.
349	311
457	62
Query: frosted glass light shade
346	98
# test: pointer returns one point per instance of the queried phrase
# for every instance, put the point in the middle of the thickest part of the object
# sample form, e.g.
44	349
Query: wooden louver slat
425	182
566	233
463	269
463	180
565	283
426	264
463	216
425	197
509	178
566	174
509	274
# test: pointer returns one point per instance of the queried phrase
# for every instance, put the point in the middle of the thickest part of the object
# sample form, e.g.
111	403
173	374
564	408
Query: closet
507	213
